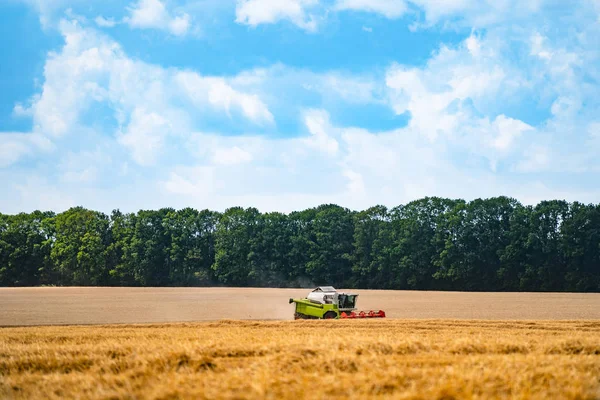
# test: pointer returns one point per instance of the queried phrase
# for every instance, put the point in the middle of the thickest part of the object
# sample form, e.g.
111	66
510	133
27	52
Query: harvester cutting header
327	303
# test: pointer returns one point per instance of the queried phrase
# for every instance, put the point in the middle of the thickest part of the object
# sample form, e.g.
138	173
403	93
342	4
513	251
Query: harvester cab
325	302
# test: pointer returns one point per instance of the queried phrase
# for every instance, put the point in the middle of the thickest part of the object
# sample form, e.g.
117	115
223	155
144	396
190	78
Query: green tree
546	267
302	241
121	268
79	248
270	251
580	247
330	251
419	232
480	232
515	258
431	243
192	246
234	242
147	253
371	243
24	248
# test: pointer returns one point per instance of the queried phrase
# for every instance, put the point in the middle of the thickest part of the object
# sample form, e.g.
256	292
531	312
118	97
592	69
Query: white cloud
461	13
49	9
565	106
537	47
388	8
22	111
180	25
537	158
105	22
434	9
594	130
148	13
154	14
221	95
288	88
473	45
198	182
559	64
85	175
37	193
352	89
356	184
470	128
147	101
497	140
477	13
447	97
508	130
15	146
317	122
349	166
256	12
145	135
231	156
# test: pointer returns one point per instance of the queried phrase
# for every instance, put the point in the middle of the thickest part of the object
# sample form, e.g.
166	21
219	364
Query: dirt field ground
48	306
406	359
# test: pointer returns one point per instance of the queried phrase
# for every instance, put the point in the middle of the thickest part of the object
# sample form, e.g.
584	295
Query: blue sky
287	104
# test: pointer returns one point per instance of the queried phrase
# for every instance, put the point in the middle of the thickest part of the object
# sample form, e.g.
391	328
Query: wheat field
405	359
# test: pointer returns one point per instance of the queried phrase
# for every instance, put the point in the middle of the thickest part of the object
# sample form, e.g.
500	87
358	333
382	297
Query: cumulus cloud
92	70
145	135
256	12
306	13
49	9
16	145
388	8
349	166
36	193
444	97
105	22
84	167
468	133
231	156
221	95
317	122
448	13
537	158
19	110
154	14
464	98
476	13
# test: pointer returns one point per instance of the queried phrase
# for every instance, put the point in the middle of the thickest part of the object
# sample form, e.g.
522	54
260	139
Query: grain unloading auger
327	303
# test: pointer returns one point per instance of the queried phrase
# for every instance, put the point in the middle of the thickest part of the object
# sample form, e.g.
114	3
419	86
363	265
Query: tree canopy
494	244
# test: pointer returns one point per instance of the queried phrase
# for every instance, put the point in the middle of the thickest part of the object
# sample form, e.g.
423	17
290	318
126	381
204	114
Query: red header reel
363	314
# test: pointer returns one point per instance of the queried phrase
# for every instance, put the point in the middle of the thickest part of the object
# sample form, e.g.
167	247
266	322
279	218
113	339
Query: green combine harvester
327	303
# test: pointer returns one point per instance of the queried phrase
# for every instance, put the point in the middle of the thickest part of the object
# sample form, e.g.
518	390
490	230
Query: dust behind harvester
325	302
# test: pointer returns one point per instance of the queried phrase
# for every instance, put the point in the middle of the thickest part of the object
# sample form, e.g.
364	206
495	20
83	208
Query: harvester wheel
330	315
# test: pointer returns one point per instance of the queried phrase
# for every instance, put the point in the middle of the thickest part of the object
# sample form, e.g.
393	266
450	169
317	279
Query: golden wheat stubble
305	359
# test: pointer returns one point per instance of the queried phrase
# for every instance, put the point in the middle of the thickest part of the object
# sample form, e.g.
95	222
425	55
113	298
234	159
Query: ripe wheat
407	359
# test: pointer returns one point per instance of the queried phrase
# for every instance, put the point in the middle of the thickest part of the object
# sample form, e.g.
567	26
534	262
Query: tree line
494	244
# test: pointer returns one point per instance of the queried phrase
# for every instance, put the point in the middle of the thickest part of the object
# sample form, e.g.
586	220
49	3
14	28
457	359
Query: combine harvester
326	303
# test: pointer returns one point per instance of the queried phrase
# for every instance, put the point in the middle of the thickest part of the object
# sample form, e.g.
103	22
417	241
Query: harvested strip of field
49	306
432	359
